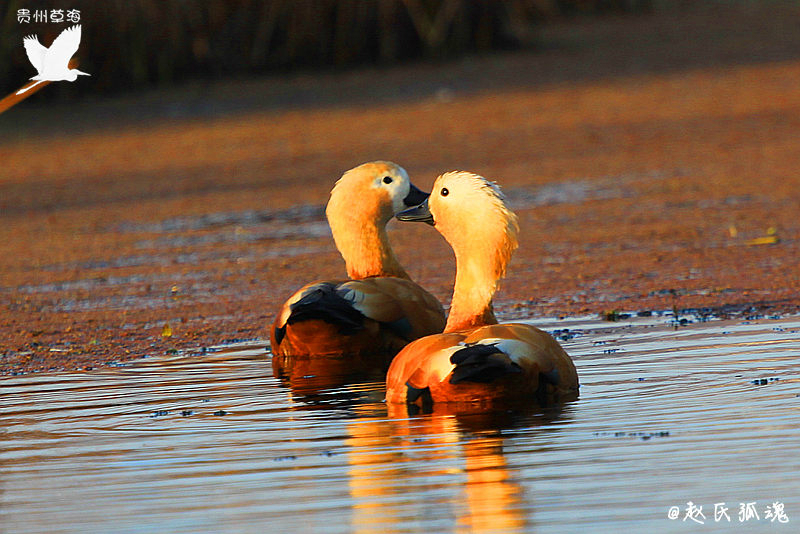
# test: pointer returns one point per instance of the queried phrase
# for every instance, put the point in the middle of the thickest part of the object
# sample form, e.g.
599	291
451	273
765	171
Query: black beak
419	213
415	197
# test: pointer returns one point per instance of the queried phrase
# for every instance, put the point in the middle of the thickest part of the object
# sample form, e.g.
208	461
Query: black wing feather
323	303
481	363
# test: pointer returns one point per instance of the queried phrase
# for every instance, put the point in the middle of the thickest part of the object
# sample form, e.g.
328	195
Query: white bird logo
52	64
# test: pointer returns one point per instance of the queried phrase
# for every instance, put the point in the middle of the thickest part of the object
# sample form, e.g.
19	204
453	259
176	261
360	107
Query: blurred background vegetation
139	43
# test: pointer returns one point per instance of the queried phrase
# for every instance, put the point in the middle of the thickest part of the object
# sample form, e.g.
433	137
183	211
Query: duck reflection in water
392	462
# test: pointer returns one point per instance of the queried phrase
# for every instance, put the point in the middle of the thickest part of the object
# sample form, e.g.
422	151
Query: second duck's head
472	215
373	193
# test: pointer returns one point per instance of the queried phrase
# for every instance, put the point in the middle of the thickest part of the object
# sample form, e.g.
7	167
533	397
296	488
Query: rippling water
707	412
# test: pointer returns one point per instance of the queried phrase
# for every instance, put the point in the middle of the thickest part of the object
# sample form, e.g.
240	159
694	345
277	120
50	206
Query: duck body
500	364
476	360
369	317
373	316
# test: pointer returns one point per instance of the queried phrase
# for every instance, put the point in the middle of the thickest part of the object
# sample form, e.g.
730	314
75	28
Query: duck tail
482	363
324	303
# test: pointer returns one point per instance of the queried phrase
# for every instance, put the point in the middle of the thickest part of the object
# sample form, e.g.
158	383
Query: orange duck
475	360
367	319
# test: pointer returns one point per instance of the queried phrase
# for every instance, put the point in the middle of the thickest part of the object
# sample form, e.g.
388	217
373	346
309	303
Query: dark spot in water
187	413
640	379
645	313
615	315
564	334
220	412
764	381
159	413
172	351
283	458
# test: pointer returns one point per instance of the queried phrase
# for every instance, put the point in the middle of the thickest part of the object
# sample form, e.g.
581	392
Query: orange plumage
477	361
365	320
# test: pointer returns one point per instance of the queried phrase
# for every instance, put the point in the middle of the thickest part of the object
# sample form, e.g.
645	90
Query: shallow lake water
702	413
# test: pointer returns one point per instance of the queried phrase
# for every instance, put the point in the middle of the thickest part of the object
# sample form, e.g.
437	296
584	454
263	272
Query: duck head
471	214
362	202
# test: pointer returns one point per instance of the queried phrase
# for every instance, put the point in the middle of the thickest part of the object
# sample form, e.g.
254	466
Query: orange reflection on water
394	461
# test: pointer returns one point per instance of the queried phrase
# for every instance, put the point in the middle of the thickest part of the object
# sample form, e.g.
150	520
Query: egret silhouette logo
52	64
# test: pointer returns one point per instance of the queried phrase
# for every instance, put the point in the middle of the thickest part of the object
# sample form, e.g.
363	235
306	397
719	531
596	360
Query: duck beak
82	73
415	197
419	213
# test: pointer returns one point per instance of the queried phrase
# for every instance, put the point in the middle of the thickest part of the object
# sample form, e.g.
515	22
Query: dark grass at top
140	43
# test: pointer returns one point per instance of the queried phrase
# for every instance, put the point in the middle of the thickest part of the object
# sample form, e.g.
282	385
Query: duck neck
476	283
366	250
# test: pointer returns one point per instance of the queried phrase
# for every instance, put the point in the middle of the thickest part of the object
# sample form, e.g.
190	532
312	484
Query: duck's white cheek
398	197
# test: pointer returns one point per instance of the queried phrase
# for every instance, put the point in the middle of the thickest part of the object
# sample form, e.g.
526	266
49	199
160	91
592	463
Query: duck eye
387	179
445	192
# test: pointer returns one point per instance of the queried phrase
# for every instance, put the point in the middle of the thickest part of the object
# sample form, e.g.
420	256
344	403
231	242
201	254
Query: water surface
705	413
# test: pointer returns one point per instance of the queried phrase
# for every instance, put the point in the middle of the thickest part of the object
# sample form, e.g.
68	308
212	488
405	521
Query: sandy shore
653	162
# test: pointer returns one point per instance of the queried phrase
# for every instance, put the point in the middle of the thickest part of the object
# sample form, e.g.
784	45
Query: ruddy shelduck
476	360
379	309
